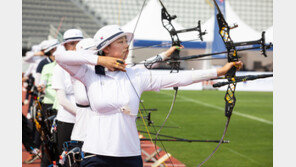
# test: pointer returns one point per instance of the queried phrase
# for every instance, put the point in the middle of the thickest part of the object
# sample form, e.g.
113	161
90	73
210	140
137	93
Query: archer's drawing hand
41	88
113	64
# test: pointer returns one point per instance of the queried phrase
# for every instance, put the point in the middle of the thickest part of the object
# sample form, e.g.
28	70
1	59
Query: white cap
36	48
86	44
43	44
51	44
108	34
72	35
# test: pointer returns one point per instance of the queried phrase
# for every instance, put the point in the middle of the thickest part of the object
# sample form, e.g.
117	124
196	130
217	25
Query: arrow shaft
186	140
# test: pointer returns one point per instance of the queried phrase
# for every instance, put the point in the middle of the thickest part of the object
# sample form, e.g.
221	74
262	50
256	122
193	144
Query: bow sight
197	28
261	42
166	19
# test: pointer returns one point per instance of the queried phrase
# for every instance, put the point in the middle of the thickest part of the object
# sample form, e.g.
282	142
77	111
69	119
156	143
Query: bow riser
230	99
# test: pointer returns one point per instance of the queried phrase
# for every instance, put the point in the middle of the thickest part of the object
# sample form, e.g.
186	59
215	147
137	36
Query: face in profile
118	48
71	45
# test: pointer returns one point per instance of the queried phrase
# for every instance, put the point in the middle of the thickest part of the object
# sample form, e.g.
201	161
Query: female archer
114	96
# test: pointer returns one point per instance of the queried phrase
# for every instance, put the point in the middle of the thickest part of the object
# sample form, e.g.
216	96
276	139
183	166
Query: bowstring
144	109
139	96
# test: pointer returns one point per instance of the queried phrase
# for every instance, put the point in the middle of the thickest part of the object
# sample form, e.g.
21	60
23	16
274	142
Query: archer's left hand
223	70
170	51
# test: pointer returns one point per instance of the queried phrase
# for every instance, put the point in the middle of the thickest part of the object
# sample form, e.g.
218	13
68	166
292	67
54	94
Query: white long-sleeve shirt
112	131
34	61
61	82
83	114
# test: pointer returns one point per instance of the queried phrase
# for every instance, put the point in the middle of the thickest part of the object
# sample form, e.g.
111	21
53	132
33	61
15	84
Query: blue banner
218	44
167	44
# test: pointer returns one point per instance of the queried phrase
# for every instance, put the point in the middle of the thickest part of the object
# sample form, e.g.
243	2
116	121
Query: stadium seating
38	15
257	14
90	15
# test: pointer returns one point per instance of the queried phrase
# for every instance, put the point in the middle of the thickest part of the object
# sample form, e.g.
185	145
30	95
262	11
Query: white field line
220	108
242	155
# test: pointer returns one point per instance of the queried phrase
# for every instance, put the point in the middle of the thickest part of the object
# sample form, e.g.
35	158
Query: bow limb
224	32
230	100
166	20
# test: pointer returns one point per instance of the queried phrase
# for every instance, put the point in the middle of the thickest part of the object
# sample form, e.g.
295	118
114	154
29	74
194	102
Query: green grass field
200	115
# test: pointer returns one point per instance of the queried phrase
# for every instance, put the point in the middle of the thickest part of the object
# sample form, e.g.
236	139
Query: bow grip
175	55
231	73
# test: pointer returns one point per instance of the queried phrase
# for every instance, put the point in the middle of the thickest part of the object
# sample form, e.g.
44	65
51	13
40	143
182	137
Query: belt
82	106
76	141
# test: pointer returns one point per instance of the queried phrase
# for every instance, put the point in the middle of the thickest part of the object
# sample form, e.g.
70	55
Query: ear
106	50
53	50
